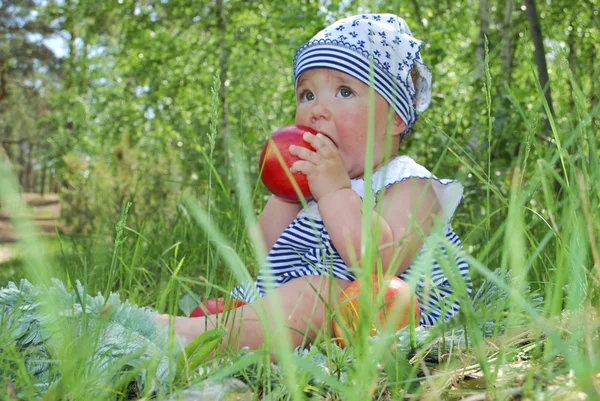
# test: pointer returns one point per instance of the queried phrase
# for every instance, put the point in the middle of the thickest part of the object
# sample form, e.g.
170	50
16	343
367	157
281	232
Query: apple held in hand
274	175
395	306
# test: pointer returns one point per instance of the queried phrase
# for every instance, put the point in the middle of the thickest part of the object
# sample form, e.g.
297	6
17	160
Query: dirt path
6	254
45	212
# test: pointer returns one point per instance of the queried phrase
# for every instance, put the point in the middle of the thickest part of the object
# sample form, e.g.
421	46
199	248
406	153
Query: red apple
397	299
274	174
215	305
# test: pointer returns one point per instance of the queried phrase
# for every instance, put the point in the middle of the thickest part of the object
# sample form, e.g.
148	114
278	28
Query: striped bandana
349	44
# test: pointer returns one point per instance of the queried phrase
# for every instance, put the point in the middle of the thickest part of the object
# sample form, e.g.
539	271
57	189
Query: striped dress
305	248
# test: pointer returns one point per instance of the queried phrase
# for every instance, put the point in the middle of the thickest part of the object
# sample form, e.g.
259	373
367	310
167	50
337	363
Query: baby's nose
319	110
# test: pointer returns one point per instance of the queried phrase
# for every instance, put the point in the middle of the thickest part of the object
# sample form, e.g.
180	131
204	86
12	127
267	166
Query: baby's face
337	105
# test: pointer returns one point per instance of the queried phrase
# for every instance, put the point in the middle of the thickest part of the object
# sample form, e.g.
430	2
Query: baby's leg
301	302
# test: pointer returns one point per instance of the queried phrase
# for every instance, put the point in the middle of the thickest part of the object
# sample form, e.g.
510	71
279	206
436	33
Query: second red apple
274	174
398	300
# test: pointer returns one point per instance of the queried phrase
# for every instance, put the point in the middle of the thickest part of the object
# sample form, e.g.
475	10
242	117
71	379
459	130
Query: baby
315	252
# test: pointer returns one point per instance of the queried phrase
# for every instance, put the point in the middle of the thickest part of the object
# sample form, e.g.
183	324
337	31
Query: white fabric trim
449	192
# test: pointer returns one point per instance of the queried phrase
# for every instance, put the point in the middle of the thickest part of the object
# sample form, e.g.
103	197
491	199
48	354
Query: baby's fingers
302	166
303	153
322	144
324	140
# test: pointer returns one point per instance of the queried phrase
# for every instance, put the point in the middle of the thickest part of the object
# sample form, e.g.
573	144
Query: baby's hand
323	168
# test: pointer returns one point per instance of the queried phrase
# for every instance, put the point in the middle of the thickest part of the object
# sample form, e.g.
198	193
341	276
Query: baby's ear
399	125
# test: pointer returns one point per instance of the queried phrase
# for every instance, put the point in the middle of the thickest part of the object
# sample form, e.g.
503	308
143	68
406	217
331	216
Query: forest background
141	102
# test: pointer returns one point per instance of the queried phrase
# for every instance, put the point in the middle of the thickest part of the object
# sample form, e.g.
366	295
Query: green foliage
131	116
115	345
113	341
96	189
196	352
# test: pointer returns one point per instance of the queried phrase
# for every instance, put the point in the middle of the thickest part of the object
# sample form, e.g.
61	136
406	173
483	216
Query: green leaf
187	304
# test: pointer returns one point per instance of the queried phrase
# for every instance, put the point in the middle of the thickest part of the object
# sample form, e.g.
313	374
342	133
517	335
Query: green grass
542	231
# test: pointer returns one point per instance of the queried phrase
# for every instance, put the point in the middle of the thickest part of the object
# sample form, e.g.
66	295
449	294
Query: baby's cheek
301	115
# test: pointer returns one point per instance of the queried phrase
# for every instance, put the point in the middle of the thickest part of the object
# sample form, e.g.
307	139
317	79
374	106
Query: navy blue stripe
300	245
295	255
361	72
317	226
284	257
305	236
400	102
308	234
330	53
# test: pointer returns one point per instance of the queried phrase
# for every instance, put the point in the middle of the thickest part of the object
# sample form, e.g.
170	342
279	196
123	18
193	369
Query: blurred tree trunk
7	145
223	73
540	53
484	19
42	188
34	182
28	167
572	60
21	162
506	46
3	81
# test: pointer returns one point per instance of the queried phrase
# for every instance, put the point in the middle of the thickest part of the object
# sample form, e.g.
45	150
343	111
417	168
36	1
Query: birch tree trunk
7	146
572	60
20	165
540	52
3	81
484	13
42	189
28	167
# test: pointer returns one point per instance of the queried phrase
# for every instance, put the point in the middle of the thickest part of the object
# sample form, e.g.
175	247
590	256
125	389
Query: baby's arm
341	208
398	235
275	217
410	208
341	212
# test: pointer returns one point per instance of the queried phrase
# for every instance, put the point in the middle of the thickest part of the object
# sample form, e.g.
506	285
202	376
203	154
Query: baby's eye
307	96
345	92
